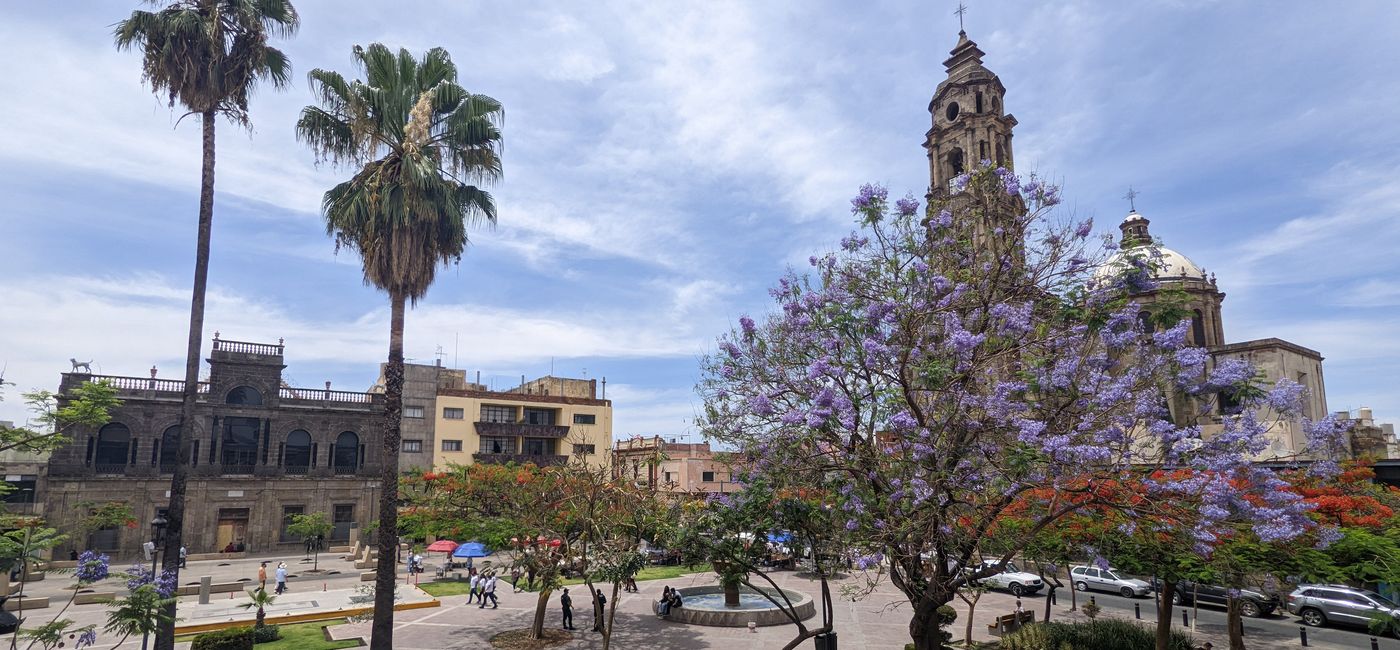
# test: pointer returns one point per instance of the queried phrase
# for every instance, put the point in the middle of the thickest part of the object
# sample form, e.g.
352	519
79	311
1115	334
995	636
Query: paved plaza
878	620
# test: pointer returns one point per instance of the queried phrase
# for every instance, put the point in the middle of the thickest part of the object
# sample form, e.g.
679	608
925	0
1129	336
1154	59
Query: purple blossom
907	206
87	638
1085	228
748	326
761	405
871	197
1009	182
92	567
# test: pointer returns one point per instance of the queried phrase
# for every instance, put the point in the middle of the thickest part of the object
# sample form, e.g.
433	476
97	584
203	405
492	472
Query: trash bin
826	641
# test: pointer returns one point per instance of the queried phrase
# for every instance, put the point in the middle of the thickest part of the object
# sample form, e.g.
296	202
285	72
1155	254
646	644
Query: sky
666	162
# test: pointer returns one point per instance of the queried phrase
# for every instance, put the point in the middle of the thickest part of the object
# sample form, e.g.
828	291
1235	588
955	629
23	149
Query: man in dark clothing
568	604
599	601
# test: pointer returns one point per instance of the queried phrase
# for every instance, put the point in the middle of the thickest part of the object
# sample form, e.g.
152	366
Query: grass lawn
440	588
300	636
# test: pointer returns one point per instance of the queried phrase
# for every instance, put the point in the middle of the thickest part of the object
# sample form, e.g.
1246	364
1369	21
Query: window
452	414
588	450
952	113
668	477
287	512
979	102
452	445
21	489
1198	327
955	162
539	416
112	445
170	448
296	456
497	445
345	455
1092	573
415	412
538	446
413	446
240	444
497	413
707	477
244	396
585	418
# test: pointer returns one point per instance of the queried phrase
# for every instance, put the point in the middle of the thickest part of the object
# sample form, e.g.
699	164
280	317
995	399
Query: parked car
1339	605
1252	603
1088	577
1012	579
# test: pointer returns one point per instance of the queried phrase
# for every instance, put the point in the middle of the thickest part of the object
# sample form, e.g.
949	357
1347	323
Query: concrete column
205	583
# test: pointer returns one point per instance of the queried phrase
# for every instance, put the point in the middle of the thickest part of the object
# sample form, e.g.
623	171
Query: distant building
672	466
24	472
1369	438
416	429
262	451
546	422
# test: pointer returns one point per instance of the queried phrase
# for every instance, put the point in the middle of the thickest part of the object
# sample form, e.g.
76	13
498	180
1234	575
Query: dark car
1252	603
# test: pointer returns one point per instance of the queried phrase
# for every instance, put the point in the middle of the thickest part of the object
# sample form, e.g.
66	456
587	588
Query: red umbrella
443	546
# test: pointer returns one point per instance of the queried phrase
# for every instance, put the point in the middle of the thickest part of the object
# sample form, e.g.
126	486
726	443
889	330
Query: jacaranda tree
420	143
943	362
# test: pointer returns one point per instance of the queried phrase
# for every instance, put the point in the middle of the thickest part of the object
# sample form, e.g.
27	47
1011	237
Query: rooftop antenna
1131	196
962	9
455	337
439	354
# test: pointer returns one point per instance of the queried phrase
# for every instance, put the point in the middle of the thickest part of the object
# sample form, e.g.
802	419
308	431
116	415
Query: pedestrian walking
262	577
472	592
599	600
281	575
183	557
489	591
515	580
567	603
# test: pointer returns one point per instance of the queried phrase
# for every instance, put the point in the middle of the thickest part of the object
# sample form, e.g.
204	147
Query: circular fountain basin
705	606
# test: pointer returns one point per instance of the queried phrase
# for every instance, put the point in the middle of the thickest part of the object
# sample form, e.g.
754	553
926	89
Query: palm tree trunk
175	512
382	632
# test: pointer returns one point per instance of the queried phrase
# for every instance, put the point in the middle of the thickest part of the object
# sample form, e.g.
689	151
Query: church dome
1137	242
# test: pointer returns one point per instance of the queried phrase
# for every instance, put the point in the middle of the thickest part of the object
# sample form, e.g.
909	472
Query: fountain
706	606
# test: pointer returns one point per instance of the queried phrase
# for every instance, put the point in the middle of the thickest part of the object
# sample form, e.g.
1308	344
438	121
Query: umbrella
471	549
442	546
780	538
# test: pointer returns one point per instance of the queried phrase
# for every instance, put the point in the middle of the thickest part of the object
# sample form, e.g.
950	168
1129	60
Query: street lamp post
157	538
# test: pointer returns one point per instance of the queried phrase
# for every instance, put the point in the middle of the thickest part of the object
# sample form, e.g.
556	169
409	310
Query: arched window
345	456
297	457
1198	328
113	443
170	448
1145	322
245	396
979	102
955	161
240	444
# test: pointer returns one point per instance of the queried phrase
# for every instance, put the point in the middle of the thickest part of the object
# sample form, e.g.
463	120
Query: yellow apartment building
548	421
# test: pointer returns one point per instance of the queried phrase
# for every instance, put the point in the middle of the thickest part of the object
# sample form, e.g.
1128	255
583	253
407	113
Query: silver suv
1339	604
1088	577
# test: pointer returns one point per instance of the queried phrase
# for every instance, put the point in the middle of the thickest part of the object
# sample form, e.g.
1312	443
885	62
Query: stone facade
420	389
261	450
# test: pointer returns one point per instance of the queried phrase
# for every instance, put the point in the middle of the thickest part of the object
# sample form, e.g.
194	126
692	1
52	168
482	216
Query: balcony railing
520	459
323	395
244	347
296	469
110	468
342	470
521	429
146	383
239	462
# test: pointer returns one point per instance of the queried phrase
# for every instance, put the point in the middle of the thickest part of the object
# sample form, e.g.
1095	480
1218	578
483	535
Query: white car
1012	579
1088	577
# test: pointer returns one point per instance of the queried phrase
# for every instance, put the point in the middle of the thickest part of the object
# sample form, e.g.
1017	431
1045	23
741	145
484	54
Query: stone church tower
969	124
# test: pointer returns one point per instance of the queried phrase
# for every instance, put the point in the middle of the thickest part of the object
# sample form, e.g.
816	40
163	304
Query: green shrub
236	638
1107	634
266	634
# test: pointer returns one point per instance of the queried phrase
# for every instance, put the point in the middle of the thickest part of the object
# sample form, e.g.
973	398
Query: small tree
312	529
87	405
260	599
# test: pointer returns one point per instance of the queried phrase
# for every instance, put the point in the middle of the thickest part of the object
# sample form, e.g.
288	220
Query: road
1279	630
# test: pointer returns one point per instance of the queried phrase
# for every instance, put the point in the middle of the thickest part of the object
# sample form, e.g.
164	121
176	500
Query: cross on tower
962	9
1130	196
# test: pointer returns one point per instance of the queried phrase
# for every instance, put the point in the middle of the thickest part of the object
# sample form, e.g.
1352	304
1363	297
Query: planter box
94	597
29	603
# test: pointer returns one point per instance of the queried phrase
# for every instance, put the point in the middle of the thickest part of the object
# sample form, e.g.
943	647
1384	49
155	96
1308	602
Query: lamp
158	525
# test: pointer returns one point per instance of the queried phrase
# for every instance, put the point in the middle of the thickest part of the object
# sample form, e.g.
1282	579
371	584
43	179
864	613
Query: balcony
245	347
127	386
296	470
110	468
345	470
520	430
541	460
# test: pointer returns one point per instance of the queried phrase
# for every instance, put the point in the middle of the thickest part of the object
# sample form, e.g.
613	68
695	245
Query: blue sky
664	162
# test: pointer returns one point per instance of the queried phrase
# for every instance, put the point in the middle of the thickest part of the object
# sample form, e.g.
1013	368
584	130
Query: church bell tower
969	121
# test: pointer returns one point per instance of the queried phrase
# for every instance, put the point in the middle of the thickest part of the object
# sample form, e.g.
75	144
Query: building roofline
1262	344
523	397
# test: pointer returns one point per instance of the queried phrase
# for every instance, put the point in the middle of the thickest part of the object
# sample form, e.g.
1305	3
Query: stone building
262	450
672	466
420	389
1370	438
546	422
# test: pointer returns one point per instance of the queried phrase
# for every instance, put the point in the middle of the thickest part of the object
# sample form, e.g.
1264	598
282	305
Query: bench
1010	623
368	576
28	602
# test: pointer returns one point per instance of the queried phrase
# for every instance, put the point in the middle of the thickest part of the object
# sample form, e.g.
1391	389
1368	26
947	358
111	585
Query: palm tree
260	599
419	140
206	56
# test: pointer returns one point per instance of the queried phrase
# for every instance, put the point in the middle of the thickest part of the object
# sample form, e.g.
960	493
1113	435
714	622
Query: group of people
482	587
670	599
280	574
566	603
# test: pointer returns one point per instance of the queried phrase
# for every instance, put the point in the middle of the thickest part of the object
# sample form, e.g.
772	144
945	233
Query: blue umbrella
471	549
780	538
